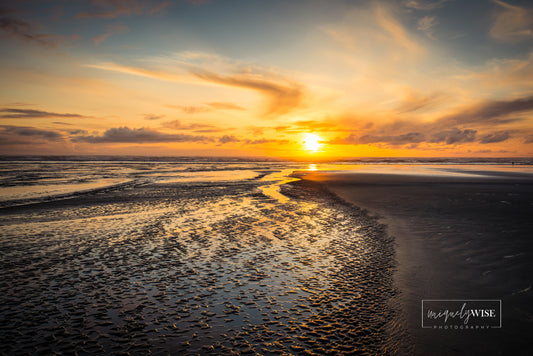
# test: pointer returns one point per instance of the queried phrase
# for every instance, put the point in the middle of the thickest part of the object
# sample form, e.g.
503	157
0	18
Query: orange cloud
310	126
225	106
191	109
284	96
195	109
513	23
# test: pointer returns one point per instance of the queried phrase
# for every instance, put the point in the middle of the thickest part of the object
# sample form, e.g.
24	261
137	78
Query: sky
294	78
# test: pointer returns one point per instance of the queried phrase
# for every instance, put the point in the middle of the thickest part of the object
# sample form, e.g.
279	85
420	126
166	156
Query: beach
461	234
172	260
258	257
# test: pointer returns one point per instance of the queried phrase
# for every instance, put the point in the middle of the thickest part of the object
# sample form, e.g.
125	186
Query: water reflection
277	179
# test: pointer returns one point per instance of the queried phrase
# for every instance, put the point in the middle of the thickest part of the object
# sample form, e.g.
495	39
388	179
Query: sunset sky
258	78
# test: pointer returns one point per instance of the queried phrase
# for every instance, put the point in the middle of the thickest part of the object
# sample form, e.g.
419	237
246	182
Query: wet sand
200	268
456	237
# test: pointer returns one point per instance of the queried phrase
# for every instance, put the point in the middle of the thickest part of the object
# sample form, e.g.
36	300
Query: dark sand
460	237
196	269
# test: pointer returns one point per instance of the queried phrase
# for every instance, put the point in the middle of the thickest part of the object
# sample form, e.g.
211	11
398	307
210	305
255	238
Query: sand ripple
209	269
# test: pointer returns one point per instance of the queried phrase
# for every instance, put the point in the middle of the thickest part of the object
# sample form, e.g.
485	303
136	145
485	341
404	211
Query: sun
312	142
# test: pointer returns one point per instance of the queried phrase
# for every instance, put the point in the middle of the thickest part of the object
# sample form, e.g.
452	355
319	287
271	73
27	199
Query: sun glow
312	142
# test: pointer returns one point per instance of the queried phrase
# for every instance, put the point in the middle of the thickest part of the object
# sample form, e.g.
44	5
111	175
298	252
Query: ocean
31	179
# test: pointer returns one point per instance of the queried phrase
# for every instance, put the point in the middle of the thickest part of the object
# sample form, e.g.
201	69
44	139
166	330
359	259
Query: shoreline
456	237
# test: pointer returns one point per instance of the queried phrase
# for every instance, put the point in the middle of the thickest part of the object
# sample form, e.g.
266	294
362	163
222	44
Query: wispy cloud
111	30
413	101
16	28
508	74
513	23
341	36
283	95
225	106
152	117
140	135
191	109
12	113
426	24
490	112
207	107
310	126
375	33
396	31
197	127
159	8
143	72
424	5
265	141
